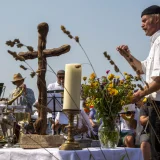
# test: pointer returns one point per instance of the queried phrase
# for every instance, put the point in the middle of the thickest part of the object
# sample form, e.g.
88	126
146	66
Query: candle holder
8	127
70	143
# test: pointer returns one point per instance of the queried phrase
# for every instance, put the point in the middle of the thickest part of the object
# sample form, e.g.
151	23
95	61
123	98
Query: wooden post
43	29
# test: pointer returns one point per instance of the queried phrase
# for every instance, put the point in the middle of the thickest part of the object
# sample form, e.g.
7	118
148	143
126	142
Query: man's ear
157	19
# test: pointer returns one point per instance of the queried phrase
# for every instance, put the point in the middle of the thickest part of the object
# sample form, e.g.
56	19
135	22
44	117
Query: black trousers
154	129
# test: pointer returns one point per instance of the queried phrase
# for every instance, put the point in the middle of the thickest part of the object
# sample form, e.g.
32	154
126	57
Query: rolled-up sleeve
144	65
156	65
143	111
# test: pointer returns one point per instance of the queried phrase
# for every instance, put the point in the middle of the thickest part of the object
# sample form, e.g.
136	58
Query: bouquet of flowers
107	95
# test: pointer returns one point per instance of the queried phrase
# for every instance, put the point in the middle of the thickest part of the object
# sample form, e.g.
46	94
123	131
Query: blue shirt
92	115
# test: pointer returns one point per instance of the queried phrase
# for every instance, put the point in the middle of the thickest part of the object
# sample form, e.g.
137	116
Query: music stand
2	89
54	102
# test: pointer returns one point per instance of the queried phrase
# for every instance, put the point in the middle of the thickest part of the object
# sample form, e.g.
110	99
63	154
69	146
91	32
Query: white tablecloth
55	154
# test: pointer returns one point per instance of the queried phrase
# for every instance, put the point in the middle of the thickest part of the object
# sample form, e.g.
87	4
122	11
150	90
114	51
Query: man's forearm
143	120
151	87
134	63
92	123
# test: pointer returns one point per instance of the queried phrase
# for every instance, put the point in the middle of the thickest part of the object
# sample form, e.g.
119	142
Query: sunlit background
101	25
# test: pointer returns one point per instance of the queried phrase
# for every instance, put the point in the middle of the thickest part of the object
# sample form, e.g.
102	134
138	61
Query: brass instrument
16	96
127	115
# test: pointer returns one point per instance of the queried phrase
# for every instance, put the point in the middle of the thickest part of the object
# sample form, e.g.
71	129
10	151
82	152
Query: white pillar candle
72	86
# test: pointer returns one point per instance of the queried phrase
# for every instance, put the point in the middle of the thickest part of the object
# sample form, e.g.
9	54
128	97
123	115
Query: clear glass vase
108	134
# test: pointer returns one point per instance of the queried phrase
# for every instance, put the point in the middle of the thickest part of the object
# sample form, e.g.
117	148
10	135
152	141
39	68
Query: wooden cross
42	53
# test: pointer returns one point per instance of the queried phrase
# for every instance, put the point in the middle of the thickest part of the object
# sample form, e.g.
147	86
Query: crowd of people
141	128
133	124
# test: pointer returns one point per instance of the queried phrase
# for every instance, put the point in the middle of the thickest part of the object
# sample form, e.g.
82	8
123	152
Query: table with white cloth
85	154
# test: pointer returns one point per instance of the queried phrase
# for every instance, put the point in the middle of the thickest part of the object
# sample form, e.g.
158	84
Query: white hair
155	16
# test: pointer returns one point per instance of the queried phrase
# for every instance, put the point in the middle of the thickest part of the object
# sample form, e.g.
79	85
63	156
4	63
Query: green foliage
108	135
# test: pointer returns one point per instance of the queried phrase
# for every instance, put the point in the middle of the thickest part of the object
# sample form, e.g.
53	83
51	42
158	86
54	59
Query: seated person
26	98
81	123
128	123
58	85
144	137
139	127
61	121
95	126
21	96
55	106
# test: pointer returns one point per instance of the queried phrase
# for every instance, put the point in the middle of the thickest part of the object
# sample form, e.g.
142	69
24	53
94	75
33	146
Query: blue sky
102	25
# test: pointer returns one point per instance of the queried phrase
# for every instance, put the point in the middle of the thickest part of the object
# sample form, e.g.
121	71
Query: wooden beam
47	52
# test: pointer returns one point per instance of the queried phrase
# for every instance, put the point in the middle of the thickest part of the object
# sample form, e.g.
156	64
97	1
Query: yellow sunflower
111	76
92	76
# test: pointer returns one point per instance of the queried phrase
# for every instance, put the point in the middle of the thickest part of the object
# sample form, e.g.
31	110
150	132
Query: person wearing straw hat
150	18
21	95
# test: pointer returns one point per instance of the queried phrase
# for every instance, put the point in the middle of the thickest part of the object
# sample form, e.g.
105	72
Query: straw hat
17	77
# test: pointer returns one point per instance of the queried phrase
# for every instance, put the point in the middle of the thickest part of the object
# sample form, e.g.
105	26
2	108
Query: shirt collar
155	36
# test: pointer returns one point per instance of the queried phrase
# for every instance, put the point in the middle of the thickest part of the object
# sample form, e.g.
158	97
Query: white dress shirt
151	66
60	116
54	86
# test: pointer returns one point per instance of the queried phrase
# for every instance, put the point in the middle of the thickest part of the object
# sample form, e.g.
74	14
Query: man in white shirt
150	18
58	85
